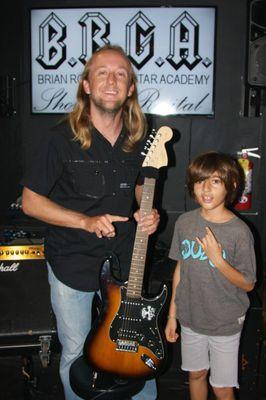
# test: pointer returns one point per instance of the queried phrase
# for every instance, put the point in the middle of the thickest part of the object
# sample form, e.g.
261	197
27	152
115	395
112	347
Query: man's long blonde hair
133	117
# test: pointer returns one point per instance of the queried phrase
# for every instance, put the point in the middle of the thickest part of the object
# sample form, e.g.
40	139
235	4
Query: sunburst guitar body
126	340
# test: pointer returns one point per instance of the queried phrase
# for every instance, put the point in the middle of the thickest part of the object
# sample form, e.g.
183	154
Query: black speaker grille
257	64
257	44
25	298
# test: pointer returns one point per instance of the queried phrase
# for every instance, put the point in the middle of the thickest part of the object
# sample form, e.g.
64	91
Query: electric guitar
126	339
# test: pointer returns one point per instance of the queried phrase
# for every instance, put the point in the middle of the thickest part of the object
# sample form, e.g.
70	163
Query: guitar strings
141	240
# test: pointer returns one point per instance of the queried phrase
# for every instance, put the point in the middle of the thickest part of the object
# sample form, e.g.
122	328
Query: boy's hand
170	330
211	247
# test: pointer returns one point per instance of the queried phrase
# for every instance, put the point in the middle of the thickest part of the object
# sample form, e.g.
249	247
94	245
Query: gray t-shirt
206	301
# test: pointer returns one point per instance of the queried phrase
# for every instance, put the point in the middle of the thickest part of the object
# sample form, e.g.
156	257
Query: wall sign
172	50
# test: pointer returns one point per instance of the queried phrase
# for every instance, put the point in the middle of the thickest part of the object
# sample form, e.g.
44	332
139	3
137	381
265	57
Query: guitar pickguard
136	323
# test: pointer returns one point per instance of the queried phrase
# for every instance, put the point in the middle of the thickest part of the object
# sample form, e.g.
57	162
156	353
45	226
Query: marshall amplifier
27	322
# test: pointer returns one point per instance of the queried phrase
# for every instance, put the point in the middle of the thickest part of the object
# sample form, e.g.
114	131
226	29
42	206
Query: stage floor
20	380
24	378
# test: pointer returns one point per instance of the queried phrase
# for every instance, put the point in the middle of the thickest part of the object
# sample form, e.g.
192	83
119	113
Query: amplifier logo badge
9	268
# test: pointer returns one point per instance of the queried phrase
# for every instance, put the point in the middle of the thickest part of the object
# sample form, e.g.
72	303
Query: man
83	183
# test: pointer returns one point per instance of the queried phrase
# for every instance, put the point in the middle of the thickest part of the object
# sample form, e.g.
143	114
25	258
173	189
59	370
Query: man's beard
102	106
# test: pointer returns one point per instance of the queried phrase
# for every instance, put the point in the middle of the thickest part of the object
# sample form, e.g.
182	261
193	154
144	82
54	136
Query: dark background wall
237	122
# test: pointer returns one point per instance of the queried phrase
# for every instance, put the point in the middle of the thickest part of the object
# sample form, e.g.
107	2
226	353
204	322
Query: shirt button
114	193
114	171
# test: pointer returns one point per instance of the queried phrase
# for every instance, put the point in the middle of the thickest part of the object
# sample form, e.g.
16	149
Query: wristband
170	317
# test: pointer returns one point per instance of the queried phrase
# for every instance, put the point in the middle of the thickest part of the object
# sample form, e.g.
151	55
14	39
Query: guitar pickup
127	345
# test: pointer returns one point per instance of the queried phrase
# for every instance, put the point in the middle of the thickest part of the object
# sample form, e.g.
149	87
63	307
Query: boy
215	268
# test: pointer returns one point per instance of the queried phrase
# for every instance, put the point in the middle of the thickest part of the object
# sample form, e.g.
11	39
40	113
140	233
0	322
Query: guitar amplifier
27	322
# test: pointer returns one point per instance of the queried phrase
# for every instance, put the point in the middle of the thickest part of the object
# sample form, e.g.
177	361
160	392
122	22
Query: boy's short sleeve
174	252
245	255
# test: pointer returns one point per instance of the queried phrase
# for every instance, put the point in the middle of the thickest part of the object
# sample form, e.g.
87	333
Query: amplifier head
22	252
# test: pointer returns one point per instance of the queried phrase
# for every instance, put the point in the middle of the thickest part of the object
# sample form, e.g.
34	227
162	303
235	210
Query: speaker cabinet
27	321
257	43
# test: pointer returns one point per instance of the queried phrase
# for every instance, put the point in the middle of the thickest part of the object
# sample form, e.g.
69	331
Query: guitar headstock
154	151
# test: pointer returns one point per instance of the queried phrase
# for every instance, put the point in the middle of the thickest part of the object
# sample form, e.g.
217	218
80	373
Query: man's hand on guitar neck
148	223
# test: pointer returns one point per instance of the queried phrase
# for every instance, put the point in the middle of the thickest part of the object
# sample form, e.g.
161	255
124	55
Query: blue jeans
72	309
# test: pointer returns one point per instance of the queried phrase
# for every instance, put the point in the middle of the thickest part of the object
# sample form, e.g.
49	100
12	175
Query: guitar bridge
126	345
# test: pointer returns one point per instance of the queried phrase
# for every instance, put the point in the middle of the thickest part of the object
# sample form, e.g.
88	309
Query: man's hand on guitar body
148	223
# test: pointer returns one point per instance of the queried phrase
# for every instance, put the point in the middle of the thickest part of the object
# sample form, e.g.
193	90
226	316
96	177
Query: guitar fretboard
135	281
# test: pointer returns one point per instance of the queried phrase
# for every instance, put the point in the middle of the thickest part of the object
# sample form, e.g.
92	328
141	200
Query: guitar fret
136	286
136	269
137	262
137	272
137	266
140	247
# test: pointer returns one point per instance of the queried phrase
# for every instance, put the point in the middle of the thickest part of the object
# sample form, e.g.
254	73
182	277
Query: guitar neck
135	281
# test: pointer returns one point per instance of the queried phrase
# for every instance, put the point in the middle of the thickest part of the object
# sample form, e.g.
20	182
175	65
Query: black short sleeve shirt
96	181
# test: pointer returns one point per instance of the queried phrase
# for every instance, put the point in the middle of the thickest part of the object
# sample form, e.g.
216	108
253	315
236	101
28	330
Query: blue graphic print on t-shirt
194	250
